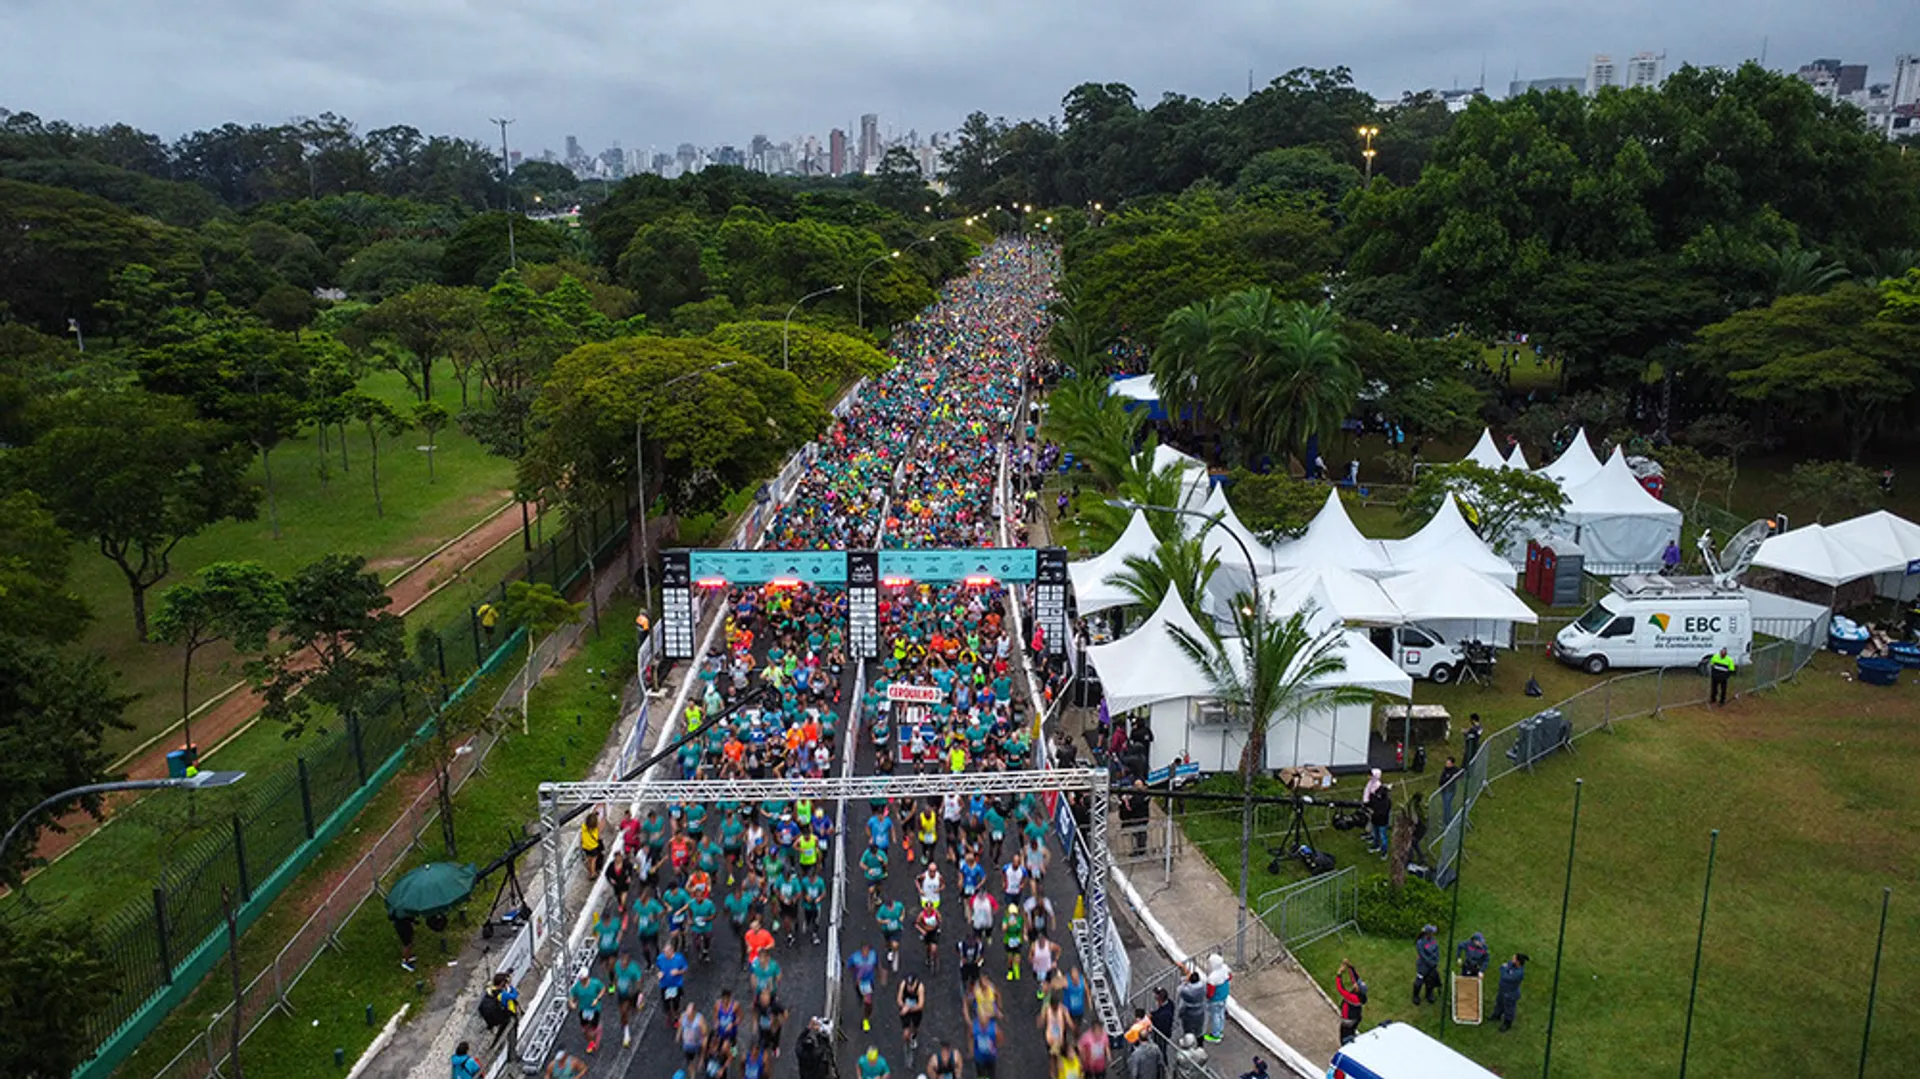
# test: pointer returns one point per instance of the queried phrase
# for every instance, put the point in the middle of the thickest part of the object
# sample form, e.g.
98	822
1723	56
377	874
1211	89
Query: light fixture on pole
859	291
786	331
1367	132
197	781
640	485
1246	780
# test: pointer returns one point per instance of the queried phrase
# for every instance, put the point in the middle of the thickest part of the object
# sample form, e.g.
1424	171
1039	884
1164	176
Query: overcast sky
719	71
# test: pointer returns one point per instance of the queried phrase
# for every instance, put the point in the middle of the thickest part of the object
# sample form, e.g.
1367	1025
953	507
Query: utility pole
506	182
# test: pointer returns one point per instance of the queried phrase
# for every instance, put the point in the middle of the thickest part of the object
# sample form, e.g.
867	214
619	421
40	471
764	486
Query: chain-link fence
1555	728
285	814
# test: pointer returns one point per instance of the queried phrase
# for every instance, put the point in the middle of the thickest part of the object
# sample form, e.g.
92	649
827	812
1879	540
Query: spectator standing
1512	973
1426	964
1219	988
1353	1000
1193	1005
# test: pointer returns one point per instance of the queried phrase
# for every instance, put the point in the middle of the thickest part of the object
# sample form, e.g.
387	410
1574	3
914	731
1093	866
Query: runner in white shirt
1015	875
930	886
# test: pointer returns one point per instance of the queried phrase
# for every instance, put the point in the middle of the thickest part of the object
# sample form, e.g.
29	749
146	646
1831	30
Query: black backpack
492	1011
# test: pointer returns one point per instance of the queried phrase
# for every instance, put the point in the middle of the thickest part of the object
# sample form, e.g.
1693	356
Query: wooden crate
1466	999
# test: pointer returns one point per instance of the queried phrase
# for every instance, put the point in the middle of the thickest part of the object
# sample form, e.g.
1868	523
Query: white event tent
1448	540
1518	459
1333	539
1615	520
1148	669
1820	553
1137	388
1892	539
1574	466
1462	606
1233	574
1347	595
1090	588
1485	453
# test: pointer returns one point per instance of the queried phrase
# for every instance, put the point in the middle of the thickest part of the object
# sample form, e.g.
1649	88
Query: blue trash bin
177	762
1878	670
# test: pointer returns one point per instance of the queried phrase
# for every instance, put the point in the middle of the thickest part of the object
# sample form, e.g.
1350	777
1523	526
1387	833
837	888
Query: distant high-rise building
1906	80
1601	72
1524	86
837	153
1852	79
575	155
869	142
1643	69
729	155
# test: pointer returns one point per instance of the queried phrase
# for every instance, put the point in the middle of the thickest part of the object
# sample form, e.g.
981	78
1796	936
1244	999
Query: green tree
539	610
54	977
1096	426
342	650
379	418
55	709
1498	502
1180	566
425	322
487	245
60	250
1826	362
1688	468
1275	370
1791	271
1838	487
1274	505
136	473
898	184
239	603
391	267
431	417
285	308
35	600
1299	170
1272	670
825	361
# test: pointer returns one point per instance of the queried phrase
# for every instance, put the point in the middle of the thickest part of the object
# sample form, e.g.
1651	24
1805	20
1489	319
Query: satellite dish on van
1733	559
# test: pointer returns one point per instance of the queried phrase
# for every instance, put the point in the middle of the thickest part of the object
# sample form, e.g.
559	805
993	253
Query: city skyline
721	72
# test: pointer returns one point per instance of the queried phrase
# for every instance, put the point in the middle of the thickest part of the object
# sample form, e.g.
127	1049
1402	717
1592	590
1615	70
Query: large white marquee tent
1879	545
1091	587
1618	524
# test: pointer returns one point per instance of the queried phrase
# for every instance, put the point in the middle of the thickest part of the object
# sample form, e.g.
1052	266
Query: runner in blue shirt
627	975
673	976
865	964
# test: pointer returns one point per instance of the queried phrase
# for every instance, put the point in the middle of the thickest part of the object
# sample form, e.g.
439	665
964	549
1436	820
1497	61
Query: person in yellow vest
1721	667
957	758
803	812
695	714
590	845
808	846
929	831
489	617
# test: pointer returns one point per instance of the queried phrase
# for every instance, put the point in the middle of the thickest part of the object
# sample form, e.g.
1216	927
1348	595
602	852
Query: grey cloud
717	71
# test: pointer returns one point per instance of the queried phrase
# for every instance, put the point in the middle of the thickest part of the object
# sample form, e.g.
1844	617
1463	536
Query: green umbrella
430	889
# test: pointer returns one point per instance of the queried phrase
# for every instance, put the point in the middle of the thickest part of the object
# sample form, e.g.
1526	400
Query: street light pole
786	331
1246	771
859	287
194	782
1367	132
640	485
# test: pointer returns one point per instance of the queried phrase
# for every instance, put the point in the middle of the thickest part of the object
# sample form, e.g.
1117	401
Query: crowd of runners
914	463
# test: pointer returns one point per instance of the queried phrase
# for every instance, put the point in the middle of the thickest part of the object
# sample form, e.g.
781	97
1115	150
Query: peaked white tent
1333	539
1576	465
1091	591
1147	666
1341	592
1816	553
1461	606
1165	457
1137	388
1448	540
1518	459
1484	452
1233	573
1616	522
1891	538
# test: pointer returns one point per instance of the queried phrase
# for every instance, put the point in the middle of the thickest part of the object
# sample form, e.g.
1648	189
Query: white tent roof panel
1091	591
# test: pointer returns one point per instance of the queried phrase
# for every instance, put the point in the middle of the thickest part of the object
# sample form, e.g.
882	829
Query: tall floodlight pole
506	182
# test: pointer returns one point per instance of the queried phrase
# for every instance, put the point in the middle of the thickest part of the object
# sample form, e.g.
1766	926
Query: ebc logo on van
1660	620
1703	624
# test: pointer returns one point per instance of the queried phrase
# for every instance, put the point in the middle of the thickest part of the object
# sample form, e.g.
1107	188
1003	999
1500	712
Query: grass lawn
573	710
1809	786
314	521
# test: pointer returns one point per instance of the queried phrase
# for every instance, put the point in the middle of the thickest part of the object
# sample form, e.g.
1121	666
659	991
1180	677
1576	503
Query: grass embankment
572	711
1810	787
314	521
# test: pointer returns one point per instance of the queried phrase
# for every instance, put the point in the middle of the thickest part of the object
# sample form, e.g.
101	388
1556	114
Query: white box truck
1648	621
1421	651
1398	1051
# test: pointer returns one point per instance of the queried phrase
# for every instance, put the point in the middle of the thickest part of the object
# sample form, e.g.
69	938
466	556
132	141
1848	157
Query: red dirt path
238	708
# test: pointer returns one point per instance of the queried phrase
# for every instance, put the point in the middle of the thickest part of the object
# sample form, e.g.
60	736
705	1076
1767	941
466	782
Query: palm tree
1891	263
1096	426
1793	271
1101	524
1177	565
1277	369
1270	671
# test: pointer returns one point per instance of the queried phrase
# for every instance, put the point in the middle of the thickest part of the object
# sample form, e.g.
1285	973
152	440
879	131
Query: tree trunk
343	446
139	608
426	380
373	458
593	589
429	456
325	467
273	503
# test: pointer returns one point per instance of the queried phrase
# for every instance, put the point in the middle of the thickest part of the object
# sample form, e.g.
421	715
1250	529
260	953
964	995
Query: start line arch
1090	858
687	572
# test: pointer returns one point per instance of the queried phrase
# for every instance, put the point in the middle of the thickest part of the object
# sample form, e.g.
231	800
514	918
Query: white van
1659	622
1421	651
1398	1051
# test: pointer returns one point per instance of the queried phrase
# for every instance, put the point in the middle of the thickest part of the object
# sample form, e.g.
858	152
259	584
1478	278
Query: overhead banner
676	610
768	567
985	564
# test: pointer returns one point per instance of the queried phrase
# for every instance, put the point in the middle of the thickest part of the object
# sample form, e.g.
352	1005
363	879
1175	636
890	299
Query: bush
1385	913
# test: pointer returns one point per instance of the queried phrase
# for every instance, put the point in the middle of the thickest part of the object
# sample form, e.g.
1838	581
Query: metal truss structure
556	798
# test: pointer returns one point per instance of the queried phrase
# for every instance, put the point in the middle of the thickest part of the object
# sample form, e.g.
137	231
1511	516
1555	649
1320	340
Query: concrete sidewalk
1198	908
